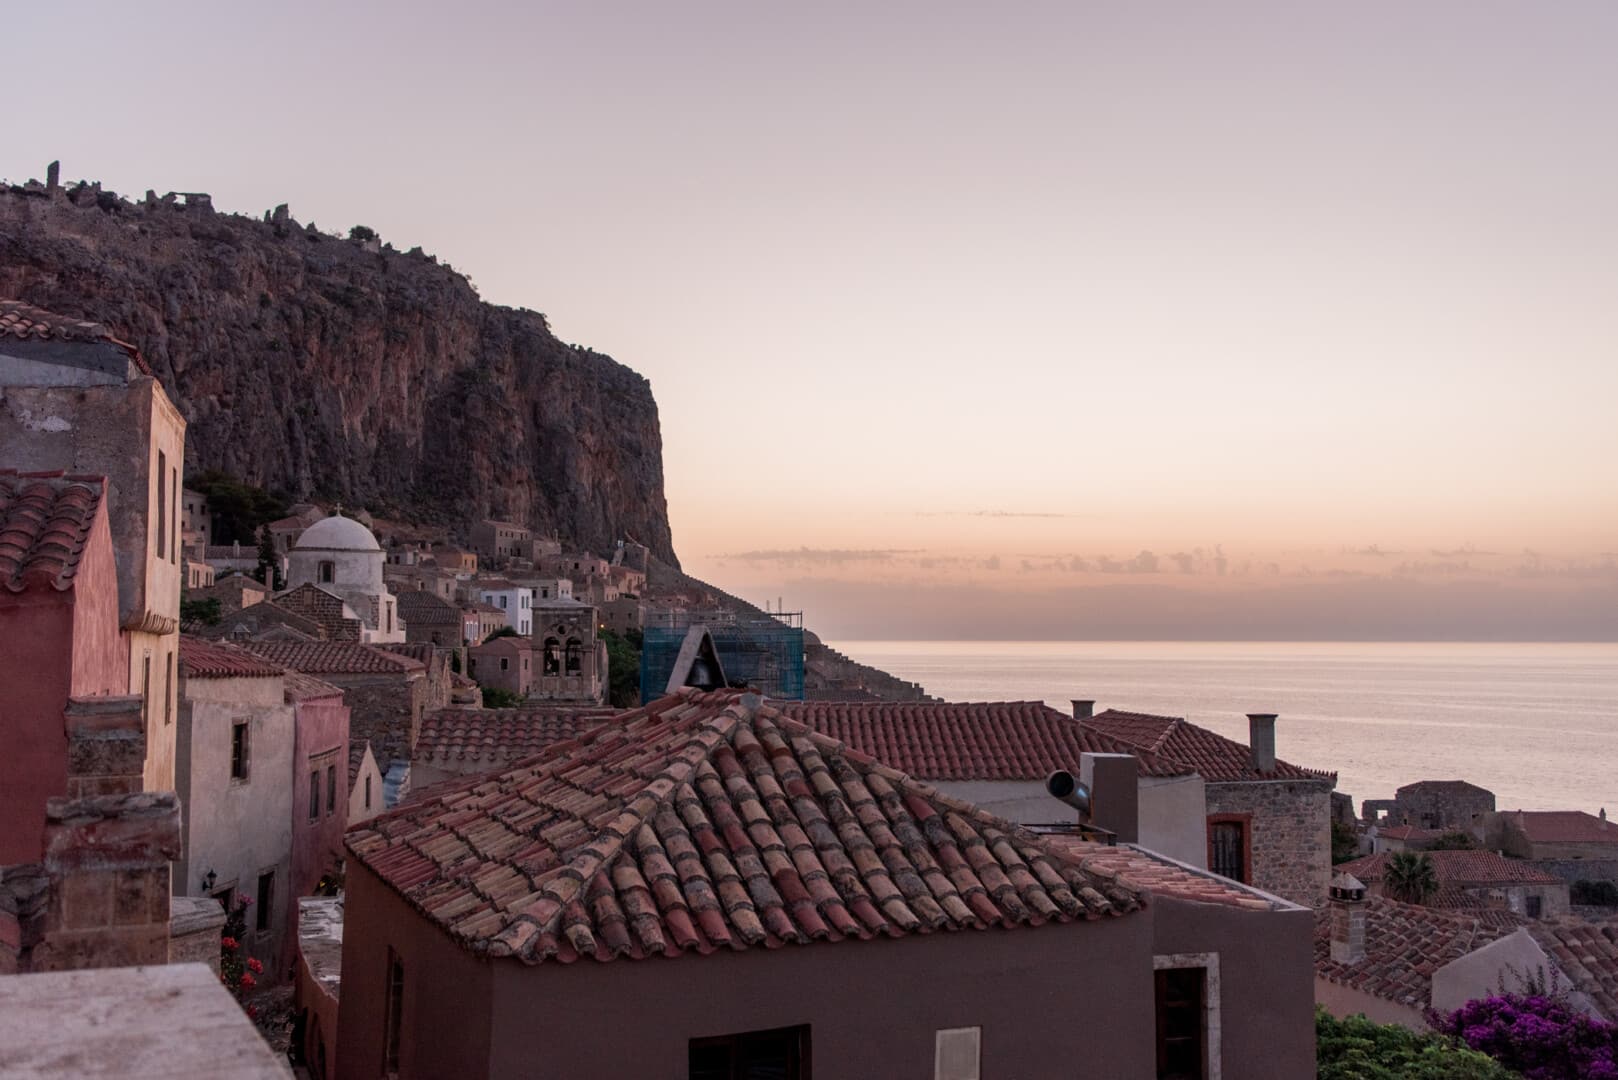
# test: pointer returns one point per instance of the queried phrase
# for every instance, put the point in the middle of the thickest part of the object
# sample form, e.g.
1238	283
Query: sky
958	300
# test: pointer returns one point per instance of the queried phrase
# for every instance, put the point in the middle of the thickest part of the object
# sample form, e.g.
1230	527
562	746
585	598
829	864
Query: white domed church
341	556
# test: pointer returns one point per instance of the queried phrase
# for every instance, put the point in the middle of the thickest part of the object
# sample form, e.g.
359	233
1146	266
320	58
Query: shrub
1358	1049
496	698
1594	893
1540	1036
362	233
207	612
1453	841
1345	843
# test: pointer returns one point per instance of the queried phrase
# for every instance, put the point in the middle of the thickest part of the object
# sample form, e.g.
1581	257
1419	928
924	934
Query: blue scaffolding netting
766	654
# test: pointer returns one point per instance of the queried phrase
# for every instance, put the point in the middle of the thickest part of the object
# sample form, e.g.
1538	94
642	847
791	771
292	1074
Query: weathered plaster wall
237	828
1172	820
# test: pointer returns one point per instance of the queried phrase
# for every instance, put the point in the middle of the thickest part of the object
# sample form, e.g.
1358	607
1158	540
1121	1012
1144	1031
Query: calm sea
1536	724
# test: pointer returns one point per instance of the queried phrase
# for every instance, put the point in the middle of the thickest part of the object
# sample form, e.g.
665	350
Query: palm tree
1410	877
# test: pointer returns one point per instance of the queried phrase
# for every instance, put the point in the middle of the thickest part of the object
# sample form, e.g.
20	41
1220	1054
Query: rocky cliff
341	369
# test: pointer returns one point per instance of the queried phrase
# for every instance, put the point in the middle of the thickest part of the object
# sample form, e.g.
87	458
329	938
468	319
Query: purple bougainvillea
1539	1036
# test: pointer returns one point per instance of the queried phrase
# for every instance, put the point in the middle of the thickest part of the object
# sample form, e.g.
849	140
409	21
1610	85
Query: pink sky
1272	276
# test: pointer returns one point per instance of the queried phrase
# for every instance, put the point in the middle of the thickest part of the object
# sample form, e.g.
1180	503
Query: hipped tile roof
417	607
1215	758
334	657
1459	869
45	522
1587	953
481	740
1140	869
1001	740
304	687
1404	945
706	822
1565	827
215	660
29	323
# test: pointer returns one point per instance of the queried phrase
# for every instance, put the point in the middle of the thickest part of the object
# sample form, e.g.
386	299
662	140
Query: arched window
575	656
553	656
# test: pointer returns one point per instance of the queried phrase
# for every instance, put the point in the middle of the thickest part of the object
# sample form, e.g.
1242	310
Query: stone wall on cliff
343	370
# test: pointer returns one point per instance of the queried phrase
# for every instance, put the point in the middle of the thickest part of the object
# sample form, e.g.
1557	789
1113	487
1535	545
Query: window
331	789
239	736
314	795
780	1054
168	693
502	603
393	1014
367	792
328	572
159	519
574	656
553	656
957	1054
1535	907
1229	850
174	516
146	690
266	897
1180	1010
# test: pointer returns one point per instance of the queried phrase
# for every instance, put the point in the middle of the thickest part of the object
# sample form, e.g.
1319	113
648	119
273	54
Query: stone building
998	755
196	524
340	556
1570	843
1477	881
62	643
479	620
386	693
1447	805
320	793
750	876
430	619
1268	821
75	398
331	613
503	663
498	541
571	658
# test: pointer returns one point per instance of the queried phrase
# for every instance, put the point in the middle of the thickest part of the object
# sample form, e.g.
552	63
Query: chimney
1083	710
1261	738
106	746
1347	919
1114	793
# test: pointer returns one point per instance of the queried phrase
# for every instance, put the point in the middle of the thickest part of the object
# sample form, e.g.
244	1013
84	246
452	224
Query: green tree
1345	843
1453	841
207	611
504	631
1410	877
623	668
496	698
237	509
269	561
1357	1049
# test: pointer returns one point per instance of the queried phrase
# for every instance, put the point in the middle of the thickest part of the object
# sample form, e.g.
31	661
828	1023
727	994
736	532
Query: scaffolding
765	654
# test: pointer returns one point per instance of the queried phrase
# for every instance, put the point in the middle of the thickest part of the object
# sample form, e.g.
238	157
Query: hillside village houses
460	890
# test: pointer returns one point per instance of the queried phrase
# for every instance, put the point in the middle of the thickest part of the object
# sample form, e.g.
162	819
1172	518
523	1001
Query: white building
341	556
517	601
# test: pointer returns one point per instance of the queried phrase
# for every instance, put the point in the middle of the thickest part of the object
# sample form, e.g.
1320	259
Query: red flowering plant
238	973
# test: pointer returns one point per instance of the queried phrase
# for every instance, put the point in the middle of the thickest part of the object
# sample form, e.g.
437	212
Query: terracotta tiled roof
45	521
29	323
1142	870
1565	827
326	609
1587	953
1408	833
423	652
215	660
303	687
417	607
334	657
1404	945
1447	787
481	740
707	822
1005	740
1216	759
1459	868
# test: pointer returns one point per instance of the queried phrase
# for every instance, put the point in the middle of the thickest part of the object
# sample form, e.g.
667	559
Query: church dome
337	533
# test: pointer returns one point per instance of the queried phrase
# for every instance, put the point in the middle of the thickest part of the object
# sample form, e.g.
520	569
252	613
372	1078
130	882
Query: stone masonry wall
385	710
1290	834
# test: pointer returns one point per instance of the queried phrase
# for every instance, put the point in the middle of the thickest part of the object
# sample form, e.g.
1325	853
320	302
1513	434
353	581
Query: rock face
343	370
